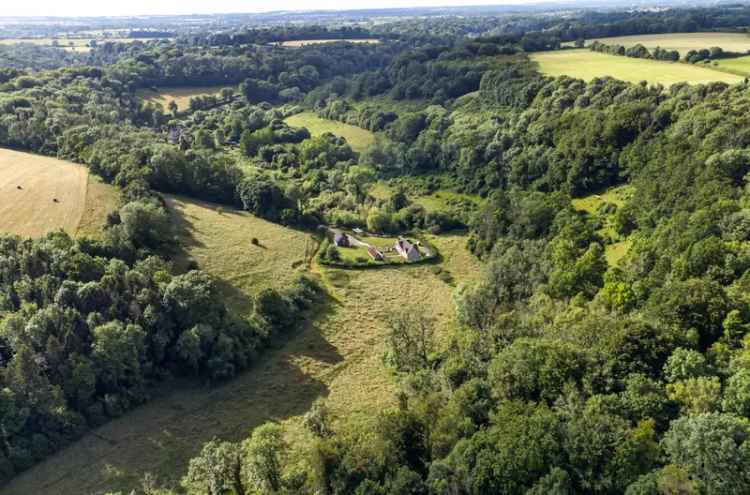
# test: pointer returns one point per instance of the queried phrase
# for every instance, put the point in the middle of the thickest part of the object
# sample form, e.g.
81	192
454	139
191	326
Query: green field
336	355
181	96
739	66
359	139
587	65
684	42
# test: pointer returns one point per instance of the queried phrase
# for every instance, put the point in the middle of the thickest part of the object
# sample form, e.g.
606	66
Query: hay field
298	43
337	355
587	65
181	96
683	42
29	186
359	139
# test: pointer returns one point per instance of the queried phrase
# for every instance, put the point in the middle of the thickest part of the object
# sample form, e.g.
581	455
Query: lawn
587	65
336	355
359	139
298	43
40	194
181	96
684	42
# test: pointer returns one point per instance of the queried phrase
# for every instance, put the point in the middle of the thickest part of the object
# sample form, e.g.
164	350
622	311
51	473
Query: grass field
80	45
181	96
684	42
220	241
336	355
587	65
359	139
101	200
298	43
739	66
29	186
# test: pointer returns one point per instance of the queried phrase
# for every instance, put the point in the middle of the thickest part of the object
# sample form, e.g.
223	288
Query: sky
174	7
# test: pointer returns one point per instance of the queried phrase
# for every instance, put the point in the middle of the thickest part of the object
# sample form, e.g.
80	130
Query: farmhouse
407	250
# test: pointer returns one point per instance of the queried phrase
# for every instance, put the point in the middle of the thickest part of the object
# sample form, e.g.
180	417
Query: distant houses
407	250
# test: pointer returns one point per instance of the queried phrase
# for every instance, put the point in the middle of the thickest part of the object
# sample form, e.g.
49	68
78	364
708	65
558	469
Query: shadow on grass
161	436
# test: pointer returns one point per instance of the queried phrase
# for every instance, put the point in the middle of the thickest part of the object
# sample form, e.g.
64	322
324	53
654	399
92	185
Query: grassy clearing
617	196
441	200
588	65
337	355
101	200
684	42
40	194
181	96
299	43
219	240
359	139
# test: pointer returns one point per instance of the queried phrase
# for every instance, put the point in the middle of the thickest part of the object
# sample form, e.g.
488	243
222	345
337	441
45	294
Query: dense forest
566	373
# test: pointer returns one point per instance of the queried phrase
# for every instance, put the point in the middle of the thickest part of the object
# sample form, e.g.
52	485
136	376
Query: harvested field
40	194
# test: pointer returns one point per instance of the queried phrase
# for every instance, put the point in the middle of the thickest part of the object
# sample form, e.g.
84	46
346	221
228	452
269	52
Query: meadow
739	65
181	96
359	139
684	42
336	355
587	65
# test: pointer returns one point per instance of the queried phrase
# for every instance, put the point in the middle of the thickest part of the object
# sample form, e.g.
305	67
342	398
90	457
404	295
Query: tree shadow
162	436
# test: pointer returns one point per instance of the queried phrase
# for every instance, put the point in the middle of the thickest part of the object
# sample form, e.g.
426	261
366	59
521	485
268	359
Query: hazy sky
156	7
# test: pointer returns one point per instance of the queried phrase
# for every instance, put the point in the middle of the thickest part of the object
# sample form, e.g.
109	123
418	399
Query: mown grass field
181	96
587	65
684	42
359	139
39	194
337	355
298	43
83	201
